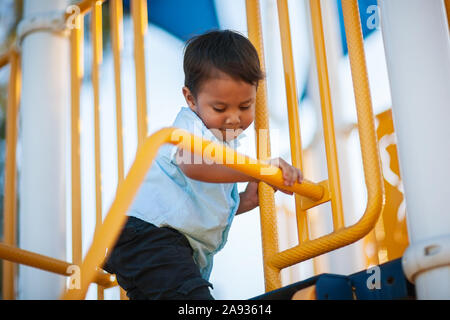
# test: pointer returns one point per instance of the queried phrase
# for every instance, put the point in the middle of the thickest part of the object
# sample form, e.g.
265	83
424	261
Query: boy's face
224	104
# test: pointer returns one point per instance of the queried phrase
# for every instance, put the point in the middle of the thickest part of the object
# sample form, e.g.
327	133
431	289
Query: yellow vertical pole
116	14
76	68
292	105
266	194
96	31
10	195
327	115
140	21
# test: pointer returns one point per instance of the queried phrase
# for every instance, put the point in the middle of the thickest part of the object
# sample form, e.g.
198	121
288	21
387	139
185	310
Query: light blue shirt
202	211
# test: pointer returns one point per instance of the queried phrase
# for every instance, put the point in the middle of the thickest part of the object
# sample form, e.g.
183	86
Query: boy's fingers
290	173
294	176
287	173
300	176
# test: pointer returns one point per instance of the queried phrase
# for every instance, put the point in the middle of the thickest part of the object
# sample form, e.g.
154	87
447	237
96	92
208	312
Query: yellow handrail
108	232
369	150
10	193
11	253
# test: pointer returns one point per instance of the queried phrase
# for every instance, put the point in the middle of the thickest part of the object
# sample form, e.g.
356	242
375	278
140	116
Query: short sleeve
189	121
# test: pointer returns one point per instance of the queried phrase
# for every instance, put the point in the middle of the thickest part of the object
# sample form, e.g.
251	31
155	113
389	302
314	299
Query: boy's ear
189	97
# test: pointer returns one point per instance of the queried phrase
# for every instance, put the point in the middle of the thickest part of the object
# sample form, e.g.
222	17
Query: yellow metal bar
10	192
97	57
76	67
327	115
292	105
115	219
11	253
369	151
267	201
139	12
96	31
116	14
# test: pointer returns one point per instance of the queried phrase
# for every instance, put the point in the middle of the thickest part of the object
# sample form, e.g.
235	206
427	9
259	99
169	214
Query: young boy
182	213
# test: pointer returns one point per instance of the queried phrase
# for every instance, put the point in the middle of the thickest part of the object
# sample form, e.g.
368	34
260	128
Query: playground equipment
427	260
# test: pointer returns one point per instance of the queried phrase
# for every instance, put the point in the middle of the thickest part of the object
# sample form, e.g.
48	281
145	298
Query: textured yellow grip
369	150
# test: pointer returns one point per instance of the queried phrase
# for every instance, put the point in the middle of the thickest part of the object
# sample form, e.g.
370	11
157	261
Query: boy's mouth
230	134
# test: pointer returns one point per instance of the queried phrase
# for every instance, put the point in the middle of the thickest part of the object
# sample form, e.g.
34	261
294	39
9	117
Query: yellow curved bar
10	192
292	108
268	217
327	116
369	150
108	232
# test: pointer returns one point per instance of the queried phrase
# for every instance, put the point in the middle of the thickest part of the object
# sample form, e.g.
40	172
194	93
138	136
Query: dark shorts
156	263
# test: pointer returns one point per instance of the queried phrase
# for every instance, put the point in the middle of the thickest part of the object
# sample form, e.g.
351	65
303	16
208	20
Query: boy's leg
156	263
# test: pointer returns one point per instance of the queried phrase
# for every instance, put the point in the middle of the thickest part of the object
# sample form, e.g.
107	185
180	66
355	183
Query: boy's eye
218	109
245	107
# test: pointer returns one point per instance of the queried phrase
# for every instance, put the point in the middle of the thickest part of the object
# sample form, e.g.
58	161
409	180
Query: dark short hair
223	50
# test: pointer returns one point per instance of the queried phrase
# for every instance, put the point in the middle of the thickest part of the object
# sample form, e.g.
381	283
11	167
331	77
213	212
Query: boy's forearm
214	173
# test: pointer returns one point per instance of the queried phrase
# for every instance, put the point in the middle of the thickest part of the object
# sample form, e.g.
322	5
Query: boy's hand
291	174
249	198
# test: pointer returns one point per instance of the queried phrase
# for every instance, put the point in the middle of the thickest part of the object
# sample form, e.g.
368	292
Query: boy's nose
233	120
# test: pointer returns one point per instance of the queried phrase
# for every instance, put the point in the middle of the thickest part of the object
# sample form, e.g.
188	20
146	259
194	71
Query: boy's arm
249	198
215	173
218	173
